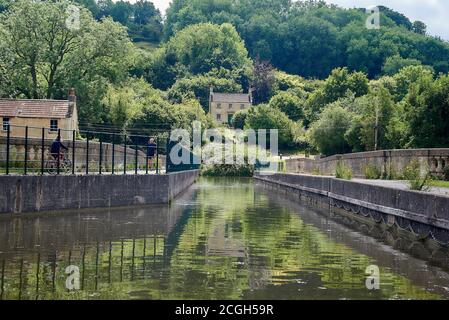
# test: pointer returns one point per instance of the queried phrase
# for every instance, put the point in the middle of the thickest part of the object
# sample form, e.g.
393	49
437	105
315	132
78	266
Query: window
218	105
230	106
219	117
242	106
5	123
53	125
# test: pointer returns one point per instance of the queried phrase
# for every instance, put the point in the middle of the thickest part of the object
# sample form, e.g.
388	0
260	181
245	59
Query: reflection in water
223	239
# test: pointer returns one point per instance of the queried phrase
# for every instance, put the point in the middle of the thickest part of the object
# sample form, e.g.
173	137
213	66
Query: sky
434	13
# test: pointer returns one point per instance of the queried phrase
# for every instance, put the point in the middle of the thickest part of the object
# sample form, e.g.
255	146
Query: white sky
435	13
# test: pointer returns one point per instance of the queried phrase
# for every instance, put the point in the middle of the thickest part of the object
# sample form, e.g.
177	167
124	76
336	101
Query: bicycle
65	165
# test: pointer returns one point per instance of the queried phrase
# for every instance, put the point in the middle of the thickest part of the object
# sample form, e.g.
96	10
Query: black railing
28	150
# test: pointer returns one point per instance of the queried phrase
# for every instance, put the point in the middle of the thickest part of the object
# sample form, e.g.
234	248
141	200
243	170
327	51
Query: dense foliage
316	72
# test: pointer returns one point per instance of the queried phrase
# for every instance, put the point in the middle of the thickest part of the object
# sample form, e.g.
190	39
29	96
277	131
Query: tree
239	119
45	56
204	47
265	117
427	112
264	79
419	27
338	85
328	134
395	63
289	104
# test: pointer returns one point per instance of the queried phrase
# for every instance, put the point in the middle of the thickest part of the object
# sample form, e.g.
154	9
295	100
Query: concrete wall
389	162
420	211
19	194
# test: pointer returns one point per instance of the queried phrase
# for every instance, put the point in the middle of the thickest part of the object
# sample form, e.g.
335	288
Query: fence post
124	159
8	138
100	156
157	155
113	154
136	160
146	159
43	150
59	153
87	153
25	168
73	150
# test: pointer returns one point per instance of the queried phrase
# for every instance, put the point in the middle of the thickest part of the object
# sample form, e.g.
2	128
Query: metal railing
27	150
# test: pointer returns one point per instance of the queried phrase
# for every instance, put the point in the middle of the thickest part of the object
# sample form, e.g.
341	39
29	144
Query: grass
439	183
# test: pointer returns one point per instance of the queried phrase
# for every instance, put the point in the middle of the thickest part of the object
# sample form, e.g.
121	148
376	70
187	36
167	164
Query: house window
219	117
53	125
242	106
6	122
218	105
230	106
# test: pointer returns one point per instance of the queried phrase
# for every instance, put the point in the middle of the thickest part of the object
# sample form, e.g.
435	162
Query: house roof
57	109
231	97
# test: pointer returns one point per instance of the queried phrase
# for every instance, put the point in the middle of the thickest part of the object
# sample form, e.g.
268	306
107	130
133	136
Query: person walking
151	151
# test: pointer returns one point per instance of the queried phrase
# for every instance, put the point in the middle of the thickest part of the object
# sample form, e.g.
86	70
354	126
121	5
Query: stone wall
17	154
424	214
389	162
19	194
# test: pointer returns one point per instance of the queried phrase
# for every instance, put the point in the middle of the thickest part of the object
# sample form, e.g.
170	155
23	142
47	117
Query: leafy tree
311	38
264	78
239	119
408	76
328	133
265	117
289	104
419	27
44	57
200	49
395	63
337	85
427	112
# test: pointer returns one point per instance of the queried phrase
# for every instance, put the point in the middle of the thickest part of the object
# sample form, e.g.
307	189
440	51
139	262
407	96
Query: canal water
222	239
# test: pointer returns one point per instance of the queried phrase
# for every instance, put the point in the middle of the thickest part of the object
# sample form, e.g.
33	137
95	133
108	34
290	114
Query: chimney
72	96
211	93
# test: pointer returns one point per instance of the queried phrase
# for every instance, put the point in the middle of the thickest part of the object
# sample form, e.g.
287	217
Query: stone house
37	114
223	106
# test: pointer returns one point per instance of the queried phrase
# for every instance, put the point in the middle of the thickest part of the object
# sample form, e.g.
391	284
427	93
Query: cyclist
56	146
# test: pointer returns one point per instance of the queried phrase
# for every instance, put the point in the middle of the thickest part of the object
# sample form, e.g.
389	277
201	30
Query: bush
412	173
227	170
372	172
327	134
343	172
446	172
239	118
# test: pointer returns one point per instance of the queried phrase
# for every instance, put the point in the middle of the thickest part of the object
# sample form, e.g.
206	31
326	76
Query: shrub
372	172
446	172
343	172
416	181
239	118
227	170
